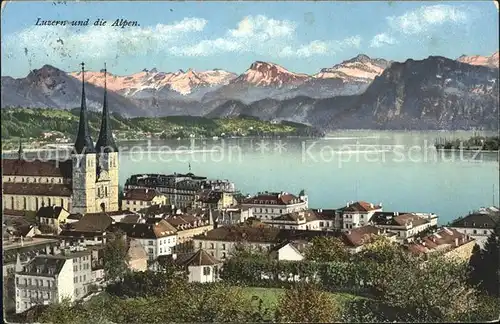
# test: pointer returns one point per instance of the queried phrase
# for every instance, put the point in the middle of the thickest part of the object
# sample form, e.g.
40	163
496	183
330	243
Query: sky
303	37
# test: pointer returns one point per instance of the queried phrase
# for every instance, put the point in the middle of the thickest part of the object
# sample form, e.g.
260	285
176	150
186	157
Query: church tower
107	156
84	163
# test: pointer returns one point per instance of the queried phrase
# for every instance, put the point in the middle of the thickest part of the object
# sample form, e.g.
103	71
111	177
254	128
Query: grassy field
271	296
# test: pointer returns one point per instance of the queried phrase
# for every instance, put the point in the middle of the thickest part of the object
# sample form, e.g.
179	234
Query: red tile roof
360	236
141	194
37	189
445	238
361	206
51	168
196	259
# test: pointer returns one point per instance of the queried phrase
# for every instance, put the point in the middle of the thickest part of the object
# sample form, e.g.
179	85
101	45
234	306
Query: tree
326	249
116	257
485	265
304	304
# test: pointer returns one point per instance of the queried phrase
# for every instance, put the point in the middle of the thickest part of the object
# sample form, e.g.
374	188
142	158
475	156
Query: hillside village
76	248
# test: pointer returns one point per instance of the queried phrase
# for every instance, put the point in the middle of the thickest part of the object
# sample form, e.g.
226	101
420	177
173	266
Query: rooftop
141	194
360	206
51	168
360	236
273	198
49	212
443	239
159	229
37	189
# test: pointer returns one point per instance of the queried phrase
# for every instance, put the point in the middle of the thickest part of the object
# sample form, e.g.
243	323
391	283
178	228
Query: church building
86	183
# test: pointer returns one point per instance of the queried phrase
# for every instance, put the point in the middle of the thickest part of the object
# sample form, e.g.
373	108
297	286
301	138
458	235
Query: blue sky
301	36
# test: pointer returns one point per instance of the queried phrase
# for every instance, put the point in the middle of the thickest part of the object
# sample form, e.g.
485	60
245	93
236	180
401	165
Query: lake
400	169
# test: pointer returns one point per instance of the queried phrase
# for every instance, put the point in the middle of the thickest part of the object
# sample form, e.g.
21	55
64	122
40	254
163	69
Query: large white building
269	205
85	183
48	279
358	214
478	225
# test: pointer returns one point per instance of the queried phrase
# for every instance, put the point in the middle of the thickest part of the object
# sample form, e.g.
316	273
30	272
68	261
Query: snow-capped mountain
359	69
434	93
182	82
489	61
264	74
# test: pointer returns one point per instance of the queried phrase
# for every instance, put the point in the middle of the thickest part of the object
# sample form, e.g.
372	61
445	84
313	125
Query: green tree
485	265
116	257
304	304
326	249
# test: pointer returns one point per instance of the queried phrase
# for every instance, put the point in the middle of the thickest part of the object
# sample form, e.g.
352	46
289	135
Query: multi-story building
446	241
138	199
314	220
221	242
86	183
269	205
52	278
187	227
478	225
157	237
357	214
232	216
52	217
406	225
215	199
181	189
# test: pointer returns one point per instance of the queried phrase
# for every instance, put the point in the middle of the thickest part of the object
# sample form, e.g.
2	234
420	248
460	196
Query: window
106	191
321	224
24	202
62	202
223	255
206	271
485	232
475	231
223	246
161	250
84	277
150	243
49	202
200	245
211	245
150	251
75	279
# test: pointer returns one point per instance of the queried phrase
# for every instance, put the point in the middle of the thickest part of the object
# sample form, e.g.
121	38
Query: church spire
105	142
20	152
83	143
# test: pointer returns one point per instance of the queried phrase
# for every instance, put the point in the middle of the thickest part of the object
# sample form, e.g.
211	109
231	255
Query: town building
356	239
222	241
445	241
215	199
157	238
314	220
479	224
86	183
232	215
49	279
188	226
357	214
182	190
286	251
406	225
52	217
137	199
200	265
269	205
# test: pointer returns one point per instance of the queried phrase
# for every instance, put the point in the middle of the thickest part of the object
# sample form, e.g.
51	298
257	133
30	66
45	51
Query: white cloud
65	43
382	39
425	18
317	47
253	34
419	21
264	36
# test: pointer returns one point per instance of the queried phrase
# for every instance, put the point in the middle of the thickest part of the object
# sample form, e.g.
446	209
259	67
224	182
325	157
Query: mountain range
363	92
